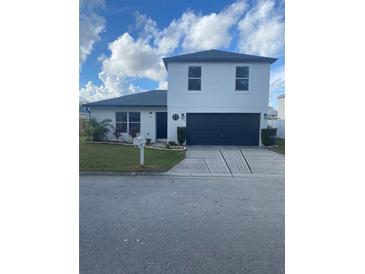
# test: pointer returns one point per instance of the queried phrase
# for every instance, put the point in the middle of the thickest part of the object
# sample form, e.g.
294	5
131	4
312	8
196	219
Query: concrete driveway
229	161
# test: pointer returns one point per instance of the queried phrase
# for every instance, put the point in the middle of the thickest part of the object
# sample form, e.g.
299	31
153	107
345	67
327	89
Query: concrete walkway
229	161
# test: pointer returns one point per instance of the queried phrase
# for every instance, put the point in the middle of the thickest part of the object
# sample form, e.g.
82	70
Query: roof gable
214	55
151	98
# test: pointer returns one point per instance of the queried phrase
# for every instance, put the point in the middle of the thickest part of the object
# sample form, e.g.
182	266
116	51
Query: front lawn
113	157
280	146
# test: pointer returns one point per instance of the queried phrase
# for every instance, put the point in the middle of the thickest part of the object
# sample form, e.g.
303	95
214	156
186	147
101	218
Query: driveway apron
229	161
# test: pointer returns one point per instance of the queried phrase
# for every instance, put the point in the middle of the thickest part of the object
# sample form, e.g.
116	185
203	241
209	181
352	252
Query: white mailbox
140	142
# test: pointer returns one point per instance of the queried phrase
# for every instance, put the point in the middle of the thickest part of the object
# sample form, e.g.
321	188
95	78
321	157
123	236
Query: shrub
133	132
172	143
268	136
181	135
148	141
97	131
116	133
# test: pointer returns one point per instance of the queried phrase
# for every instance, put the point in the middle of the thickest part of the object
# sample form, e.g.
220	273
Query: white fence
280	125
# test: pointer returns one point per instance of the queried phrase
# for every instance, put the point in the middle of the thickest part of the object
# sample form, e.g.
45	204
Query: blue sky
122	42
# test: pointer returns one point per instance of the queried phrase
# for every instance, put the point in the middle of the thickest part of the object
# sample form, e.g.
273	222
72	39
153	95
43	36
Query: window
195	74
242	74
134	123
121	121
128	122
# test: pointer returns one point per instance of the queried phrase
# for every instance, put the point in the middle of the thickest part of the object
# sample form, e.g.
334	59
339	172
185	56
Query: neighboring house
281	112
279	123
220	97
83	112
272	113
83	116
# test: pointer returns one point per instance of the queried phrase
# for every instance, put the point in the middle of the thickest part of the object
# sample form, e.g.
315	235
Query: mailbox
140	142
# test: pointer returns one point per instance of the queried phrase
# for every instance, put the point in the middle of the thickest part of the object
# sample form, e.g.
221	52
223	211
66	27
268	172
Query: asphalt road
141	224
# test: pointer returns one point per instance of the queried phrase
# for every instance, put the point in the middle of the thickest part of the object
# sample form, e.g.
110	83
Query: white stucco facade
217	94
217	113
281	107
148	124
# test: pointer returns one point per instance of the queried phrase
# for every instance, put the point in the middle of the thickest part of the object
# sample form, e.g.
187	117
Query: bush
97	131
133	132
181	135
172	143
116	133
268	136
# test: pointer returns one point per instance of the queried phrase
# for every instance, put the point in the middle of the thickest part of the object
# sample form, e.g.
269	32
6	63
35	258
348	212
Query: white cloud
162	85
112	86
129	59
262	30
90	27
169	38
277	78
192	32
213	30
277	84
134	58
89	5
147	27
142	57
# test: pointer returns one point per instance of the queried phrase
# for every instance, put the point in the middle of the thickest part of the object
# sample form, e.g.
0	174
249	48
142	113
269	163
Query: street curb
189	175
132	145
225	175
120	173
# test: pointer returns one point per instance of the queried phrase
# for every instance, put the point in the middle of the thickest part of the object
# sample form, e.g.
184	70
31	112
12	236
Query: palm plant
97	131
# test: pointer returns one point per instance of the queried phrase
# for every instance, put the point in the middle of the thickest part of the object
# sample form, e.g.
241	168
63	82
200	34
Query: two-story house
221	98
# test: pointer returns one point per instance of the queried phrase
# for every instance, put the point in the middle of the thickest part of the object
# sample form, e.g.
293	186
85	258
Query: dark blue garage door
223	129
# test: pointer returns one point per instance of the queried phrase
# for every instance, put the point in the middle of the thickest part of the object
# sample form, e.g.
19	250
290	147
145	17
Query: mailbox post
140	142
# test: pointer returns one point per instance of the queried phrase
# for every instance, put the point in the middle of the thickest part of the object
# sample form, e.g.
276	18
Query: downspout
88	111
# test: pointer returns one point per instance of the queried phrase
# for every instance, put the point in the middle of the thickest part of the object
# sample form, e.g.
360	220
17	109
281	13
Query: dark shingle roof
214	55
151	98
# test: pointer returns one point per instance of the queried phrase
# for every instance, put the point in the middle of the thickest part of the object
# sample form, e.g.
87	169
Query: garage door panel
223	129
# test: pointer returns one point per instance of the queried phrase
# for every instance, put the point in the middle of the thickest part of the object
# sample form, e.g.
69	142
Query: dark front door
223	129
161	125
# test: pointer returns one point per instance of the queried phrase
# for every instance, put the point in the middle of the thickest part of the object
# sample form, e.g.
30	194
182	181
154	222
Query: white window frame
116	122
237	78
199	78
119	122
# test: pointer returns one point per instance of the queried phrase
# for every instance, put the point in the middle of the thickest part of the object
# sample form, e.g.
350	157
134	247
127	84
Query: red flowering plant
133	132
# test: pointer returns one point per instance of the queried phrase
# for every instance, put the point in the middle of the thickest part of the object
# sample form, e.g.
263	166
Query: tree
97	131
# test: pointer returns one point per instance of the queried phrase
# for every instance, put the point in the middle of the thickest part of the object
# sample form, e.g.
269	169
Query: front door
161	125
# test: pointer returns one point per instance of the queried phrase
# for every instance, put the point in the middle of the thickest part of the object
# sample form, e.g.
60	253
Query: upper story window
128	122
242	74
195	74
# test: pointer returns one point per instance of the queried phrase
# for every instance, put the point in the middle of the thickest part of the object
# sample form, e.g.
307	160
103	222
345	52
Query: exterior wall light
265	116
150	114
182	116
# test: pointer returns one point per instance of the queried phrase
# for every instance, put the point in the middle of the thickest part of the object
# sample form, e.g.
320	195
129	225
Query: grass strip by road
119	158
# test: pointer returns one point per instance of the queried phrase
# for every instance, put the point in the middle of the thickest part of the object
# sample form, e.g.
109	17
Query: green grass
113	157
280	148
